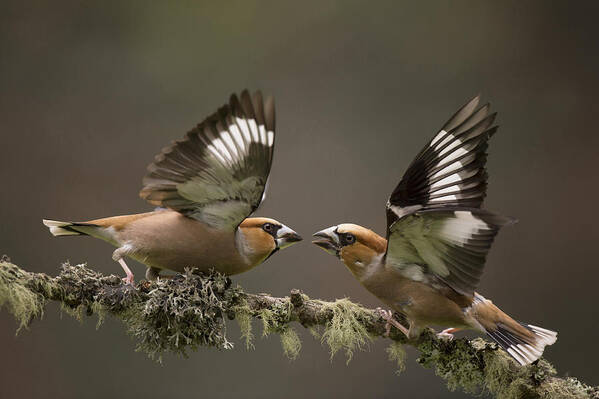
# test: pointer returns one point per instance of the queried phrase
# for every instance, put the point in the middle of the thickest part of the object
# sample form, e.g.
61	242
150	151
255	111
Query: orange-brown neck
366	253
255	244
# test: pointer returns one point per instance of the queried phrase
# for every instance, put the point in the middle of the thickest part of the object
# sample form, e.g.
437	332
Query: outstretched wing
217	173
450	169
450	245
435	229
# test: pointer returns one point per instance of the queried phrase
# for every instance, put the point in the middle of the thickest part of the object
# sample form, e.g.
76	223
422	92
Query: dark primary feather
218	172
450	169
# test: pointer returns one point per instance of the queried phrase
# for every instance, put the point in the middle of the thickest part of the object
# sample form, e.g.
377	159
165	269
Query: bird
205	186
429	265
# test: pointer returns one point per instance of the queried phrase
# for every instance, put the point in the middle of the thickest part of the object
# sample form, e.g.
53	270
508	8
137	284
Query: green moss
397	354
346	329
19	299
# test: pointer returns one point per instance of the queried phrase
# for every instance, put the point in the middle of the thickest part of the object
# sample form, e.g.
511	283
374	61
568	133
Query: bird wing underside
450	245
218	172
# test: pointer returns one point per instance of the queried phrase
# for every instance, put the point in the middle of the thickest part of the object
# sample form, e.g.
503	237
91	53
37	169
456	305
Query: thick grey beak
287	237
328	240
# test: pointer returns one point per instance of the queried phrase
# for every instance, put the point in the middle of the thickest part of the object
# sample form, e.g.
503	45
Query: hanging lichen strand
189	310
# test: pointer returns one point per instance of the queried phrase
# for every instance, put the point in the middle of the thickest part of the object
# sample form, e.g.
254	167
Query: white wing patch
223	147
463	227
453	145
271	138
443	199
263	135
255	130
450	167
448	189
439	135
414	272
452	245
446	180
234	130
244	128
217	154
226	136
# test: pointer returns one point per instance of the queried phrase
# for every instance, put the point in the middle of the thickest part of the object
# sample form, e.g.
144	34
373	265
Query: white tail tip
545	337
526	353
57	228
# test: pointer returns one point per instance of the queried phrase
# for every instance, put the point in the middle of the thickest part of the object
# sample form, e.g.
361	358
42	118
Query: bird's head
355	245
262	237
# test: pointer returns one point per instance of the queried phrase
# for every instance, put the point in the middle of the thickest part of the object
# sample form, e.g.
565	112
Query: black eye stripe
271	228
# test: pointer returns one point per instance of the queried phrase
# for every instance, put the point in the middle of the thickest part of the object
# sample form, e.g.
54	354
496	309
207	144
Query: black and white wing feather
435	229
450	245
450	169
217	173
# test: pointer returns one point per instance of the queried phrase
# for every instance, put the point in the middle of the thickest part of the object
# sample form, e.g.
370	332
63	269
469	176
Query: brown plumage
208	184
437	241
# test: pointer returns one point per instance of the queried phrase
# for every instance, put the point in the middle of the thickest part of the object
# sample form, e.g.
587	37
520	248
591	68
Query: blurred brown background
90	92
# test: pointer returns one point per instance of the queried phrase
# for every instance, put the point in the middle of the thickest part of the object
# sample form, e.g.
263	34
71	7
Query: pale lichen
16	296
243	316
269	322
569	388
346	329
180	314
397	354
167	316
188	311
315	332
291	343
455	361
276	320
478	367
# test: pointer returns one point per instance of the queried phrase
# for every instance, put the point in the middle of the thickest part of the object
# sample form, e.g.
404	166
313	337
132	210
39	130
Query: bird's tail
58	228
524	342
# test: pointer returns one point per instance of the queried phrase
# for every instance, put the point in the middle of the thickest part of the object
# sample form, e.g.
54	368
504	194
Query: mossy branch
188	311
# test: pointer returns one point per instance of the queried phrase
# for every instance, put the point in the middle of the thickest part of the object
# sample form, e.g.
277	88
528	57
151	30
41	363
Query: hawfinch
431	262
206	186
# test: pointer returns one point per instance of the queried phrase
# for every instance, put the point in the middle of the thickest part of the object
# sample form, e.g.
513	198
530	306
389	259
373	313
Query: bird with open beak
206	186
437	241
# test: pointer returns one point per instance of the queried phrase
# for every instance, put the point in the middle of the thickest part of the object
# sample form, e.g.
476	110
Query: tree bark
188	311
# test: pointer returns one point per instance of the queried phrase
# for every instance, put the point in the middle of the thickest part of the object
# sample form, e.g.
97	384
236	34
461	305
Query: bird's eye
268	227
350	238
